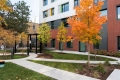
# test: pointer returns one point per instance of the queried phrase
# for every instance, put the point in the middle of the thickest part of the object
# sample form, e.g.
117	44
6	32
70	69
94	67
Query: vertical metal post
15	43
36	43
30	43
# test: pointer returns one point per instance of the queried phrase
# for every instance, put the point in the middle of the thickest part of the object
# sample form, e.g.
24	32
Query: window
33	27
95	1
76	3
45	14
96	46
103	12
118	12
53	43
45	2
52	11
118	42
65	22
52	25
69	44
52	0
65	7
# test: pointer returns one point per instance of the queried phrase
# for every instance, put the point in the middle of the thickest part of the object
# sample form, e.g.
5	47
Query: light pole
15	34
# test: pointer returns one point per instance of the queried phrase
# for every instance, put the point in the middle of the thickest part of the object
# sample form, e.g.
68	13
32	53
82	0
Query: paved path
53	72
48	71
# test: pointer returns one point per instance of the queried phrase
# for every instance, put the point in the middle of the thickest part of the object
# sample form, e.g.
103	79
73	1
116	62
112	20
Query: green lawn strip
76	56
12	71
1	51
16	56
72	67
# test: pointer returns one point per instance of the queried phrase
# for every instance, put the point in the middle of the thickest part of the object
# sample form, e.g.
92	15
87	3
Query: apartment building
55	11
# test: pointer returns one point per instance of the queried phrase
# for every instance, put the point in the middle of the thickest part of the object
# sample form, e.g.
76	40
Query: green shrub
107	63
117	54
100	68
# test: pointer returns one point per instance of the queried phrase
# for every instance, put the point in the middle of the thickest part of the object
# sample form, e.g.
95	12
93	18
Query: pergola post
36	43
30	43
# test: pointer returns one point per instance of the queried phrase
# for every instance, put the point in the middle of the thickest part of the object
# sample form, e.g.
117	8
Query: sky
34	7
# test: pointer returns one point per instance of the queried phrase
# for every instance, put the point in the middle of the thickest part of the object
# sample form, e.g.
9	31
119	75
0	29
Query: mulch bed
44	55
90	71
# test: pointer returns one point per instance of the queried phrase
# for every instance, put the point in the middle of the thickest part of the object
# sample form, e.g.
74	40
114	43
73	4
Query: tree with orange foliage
87	22
7	37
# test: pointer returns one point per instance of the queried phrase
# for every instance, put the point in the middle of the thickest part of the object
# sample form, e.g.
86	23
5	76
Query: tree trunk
88	54
61	46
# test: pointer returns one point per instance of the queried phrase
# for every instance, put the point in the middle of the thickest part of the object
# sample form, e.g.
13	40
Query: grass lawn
12	71
57	55
61	65
1	51
16	56
92	71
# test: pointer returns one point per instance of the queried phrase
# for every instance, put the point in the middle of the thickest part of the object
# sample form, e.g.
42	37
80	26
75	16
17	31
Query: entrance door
118	42
82	47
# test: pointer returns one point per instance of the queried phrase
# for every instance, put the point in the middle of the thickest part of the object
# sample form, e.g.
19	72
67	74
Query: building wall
110	31
56	6
113	24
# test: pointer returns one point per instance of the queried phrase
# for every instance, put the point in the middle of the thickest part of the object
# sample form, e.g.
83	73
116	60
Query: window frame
78	3
69	44
64	8
44	13
64	20
52	43
52	1
52	11
104	10
117	12
52	26
45	2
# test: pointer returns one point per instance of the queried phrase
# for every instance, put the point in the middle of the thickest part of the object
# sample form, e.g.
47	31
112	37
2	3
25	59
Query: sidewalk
48	71
54	72
85	53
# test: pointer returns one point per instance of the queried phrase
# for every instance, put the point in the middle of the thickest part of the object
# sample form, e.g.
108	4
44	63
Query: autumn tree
44	34
23	39
7	37
61	35
5	8
87	22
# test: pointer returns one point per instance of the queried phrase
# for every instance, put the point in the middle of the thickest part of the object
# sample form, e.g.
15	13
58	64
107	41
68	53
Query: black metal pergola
29	46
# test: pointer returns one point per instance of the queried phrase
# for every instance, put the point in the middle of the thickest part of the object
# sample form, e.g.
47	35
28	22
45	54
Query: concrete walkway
54	72
48	71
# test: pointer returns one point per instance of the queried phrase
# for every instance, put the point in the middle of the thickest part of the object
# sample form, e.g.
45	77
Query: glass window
52	11
65	22
53	43
33	27
45	2
52	25
69	44
118	12
95	1
52	0
76	3
45	14
96	46
103	13
65	7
